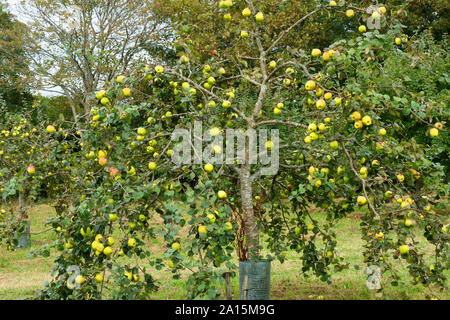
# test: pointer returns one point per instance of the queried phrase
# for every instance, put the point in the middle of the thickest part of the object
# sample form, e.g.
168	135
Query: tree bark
251	226
22	207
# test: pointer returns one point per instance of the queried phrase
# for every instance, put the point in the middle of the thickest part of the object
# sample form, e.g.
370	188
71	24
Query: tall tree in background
77	46
193	22
14	73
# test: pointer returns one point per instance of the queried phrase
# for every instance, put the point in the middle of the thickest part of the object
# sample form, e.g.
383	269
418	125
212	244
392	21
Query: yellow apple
99	278
211	80
80	279
434	132
221	194
358	124
107	251
226	104
310	85
208	167
100	94
31	170
361	200
211	217
51	129
379	235
111	241
355	116
321	104
184	59
131	242
403	249
152	165
334	145
259	16
316	52
214	131
246	12
367	120
244	34
104	101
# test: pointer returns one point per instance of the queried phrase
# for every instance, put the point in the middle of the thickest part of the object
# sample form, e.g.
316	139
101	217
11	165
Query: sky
11	4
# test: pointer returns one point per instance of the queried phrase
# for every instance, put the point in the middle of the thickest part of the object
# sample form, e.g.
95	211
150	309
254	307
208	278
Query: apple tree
343	120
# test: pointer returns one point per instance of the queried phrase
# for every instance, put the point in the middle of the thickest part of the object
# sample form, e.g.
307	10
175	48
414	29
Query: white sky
12	4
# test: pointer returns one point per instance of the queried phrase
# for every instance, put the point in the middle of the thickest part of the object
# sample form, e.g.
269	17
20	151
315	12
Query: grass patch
21	277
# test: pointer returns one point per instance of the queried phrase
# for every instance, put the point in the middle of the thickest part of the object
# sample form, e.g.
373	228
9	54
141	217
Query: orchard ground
21	276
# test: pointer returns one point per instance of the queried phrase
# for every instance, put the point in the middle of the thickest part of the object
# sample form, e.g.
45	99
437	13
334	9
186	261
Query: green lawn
21	277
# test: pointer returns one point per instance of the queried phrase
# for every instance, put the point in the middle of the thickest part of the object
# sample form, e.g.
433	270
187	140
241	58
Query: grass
21	277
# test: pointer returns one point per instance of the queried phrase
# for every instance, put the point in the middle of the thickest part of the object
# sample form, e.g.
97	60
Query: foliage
54	108
14	73
355	134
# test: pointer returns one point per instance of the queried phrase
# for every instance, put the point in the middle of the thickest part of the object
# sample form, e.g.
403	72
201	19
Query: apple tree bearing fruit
344	141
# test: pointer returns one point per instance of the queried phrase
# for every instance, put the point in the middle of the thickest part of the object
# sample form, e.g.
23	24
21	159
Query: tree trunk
251	227
74	111
23	238
22	207
87	107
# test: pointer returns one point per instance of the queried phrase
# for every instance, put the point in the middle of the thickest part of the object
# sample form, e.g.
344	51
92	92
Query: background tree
78	46
14	72
193	18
